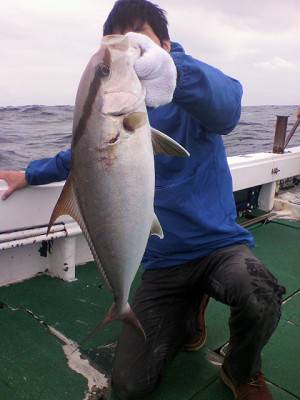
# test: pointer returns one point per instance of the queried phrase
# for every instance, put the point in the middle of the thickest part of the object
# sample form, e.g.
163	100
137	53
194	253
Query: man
204	252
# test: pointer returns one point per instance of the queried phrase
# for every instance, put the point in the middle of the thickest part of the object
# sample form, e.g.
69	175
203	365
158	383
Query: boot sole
226	380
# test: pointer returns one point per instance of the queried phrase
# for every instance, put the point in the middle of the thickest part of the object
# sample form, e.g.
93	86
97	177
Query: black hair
133	14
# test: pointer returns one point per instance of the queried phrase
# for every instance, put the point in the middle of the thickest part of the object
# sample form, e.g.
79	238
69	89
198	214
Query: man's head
138	16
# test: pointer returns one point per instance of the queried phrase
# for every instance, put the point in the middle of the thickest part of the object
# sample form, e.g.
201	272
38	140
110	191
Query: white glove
156	71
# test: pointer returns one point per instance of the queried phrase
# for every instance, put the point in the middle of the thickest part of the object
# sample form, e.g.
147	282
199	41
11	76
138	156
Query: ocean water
33	132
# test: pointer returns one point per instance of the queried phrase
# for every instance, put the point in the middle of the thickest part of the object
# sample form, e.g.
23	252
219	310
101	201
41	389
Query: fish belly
116	203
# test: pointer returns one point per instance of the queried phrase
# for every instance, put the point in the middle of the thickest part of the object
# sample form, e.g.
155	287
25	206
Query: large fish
110	188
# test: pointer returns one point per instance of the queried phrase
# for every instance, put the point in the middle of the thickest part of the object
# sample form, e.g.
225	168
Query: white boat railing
26	249
27	233
35	236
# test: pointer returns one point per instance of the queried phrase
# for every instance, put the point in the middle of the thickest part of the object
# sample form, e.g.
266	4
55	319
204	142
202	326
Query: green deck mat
32	359
281	358
33	365
216	317
292	311
187	375
218	391
72	308
278	246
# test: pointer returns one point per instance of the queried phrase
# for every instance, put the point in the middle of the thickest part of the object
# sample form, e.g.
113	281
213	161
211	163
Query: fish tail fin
127	316
130	319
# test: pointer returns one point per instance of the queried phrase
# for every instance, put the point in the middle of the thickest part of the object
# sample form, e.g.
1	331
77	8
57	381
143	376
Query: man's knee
127	388
263	306
124	392
263	294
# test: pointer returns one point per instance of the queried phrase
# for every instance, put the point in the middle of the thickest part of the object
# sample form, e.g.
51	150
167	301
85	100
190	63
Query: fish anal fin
163	144
156	228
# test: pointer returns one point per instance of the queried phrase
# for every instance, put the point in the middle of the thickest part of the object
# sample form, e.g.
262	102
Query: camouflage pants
168	299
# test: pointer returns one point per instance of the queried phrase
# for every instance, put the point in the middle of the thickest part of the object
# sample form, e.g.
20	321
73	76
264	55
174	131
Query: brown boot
197	337
255	389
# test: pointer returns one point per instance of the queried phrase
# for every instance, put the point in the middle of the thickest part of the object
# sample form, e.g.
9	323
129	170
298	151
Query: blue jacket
193	196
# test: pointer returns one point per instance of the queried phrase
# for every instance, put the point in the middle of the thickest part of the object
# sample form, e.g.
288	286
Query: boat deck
33	364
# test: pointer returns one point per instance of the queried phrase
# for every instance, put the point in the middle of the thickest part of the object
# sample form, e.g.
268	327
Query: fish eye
103	70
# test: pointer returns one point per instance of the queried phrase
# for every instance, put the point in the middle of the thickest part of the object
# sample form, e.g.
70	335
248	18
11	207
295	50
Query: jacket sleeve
47	170
211	97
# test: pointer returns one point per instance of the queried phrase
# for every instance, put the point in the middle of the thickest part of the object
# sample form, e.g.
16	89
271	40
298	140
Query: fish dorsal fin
156	228
163	144
67	205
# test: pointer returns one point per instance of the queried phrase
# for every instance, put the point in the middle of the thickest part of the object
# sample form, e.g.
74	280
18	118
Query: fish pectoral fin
163	144
156	228
134	121
66	205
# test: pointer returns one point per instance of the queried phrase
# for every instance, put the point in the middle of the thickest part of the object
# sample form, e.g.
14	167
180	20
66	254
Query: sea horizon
36	131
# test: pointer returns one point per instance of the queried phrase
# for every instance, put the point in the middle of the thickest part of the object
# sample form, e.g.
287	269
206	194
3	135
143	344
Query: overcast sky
45	45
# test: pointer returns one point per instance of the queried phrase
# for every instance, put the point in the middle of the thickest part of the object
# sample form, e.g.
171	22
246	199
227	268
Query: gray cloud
45	45
258	44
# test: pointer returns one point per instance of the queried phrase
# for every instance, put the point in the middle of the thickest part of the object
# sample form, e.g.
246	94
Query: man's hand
15	180
156	71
